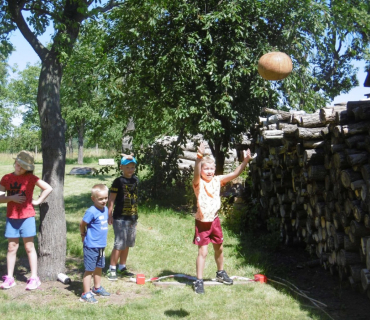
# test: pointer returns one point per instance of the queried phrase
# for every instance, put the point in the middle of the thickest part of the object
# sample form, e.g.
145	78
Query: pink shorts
206	232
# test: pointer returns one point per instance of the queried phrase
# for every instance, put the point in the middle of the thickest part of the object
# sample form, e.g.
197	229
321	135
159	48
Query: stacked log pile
312	174
189	152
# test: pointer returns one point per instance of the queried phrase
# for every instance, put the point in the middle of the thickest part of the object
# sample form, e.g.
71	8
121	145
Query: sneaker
8	282
198	286
111	275
125	273
221	276
88	297
100	292
33	283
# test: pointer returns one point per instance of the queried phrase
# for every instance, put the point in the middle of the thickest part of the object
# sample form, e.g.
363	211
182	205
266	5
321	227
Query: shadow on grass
181	313
277	262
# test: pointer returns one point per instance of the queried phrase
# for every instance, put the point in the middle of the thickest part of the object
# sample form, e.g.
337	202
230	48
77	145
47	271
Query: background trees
191	66
67	17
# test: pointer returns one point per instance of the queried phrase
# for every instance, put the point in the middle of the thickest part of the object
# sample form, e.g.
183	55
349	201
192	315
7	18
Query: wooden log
355	271
352	141
337	148
367	143
311	121
341	117
355	240
353	128
348	245
313	144
358	184
329	115
317	172
340	160
359	229
367	257
338	240
358	213
365	279
284	116
358	158
347	258
349	175
311	133
365	172
288	129
364	241
359	109
367	220
313	156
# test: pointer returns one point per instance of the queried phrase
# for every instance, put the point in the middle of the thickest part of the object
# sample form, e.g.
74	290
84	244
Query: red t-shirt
23	184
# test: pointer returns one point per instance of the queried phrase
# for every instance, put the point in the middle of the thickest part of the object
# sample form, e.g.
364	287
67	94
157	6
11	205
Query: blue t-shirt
97	227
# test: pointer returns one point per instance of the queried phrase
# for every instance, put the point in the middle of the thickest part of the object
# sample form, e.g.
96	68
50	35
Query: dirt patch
342	301
56	292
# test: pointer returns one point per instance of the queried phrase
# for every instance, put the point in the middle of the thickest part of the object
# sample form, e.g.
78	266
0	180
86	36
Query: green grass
163	246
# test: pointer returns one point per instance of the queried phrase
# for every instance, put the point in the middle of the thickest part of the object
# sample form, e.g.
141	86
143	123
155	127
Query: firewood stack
312	173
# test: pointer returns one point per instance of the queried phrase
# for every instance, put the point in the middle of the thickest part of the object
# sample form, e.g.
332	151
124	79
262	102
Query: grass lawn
163	247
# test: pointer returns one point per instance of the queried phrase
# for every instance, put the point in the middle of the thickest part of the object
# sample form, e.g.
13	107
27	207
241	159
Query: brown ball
275	66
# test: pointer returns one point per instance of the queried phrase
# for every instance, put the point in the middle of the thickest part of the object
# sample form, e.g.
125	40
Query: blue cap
125	161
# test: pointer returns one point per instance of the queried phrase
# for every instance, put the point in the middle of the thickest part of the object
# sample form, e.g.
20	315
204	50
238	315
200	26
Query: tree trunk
52	232
70	147
218	155
81	132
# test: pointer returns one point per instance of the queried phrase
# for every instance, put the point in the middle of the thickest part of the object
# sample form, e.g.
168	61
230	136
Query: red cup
260	278
140	279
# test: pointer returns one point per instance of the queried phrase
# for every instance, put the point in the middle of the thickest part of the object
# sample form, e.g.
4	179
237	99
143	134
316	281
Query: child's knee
13	247
203	251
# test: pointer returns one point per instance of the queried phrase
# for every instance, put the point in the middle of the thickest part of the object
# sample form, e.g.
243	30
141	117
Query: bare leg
32	255
219	256
11	256
114	257
201	260
87	281
97	278
123	255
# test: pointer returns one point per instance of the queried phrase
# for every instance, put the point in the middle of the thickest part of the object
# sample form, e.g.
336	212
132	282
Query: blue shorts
20	228
124	233
94	258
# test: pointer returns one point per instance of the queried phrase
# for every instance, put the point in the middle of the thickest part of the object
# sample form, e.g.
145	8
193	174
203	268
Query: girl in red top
20	215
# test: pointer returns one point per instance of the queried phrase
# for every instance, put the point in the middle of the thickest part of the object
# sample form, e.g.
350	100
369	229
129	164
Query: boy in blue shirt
94	232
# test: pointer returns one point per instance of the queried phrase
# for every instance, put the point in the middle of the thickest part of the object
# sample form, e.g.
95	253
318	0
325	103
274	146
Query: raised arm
197	167
232	175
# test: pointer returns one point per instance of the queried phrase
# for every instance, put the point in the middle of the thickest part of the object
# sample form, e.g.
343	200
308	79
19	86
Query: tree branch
15	11
109	6
42	11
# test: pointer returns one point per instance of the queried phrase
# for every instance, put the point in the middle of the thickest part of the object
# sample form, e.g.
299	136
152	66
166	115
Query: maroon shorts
206	232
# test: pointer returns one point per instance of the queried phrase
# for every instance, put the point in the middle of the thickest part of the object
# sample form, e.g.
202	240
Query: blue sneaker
88	297
100	292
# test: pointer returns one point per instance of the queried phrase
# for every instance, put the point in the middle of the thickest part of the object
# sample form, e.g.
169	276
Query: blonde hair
207	159
98	188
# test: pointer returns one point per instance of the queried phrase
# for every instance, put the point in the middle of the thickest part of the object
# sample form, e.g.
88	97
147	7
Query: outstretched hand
128	156
201	148
246	155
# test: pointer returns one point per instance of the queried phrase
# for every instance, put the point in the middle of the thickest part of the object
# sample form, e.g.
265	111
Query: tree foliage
67	17
192	65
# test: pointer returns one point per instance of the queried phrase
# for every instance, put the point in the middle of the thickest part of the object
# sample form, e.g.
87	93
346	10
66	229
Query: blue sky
24	53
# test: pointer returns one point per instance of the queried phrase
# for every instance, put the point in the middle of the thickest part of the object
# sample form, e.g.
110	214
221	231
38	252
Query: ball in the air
275	66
